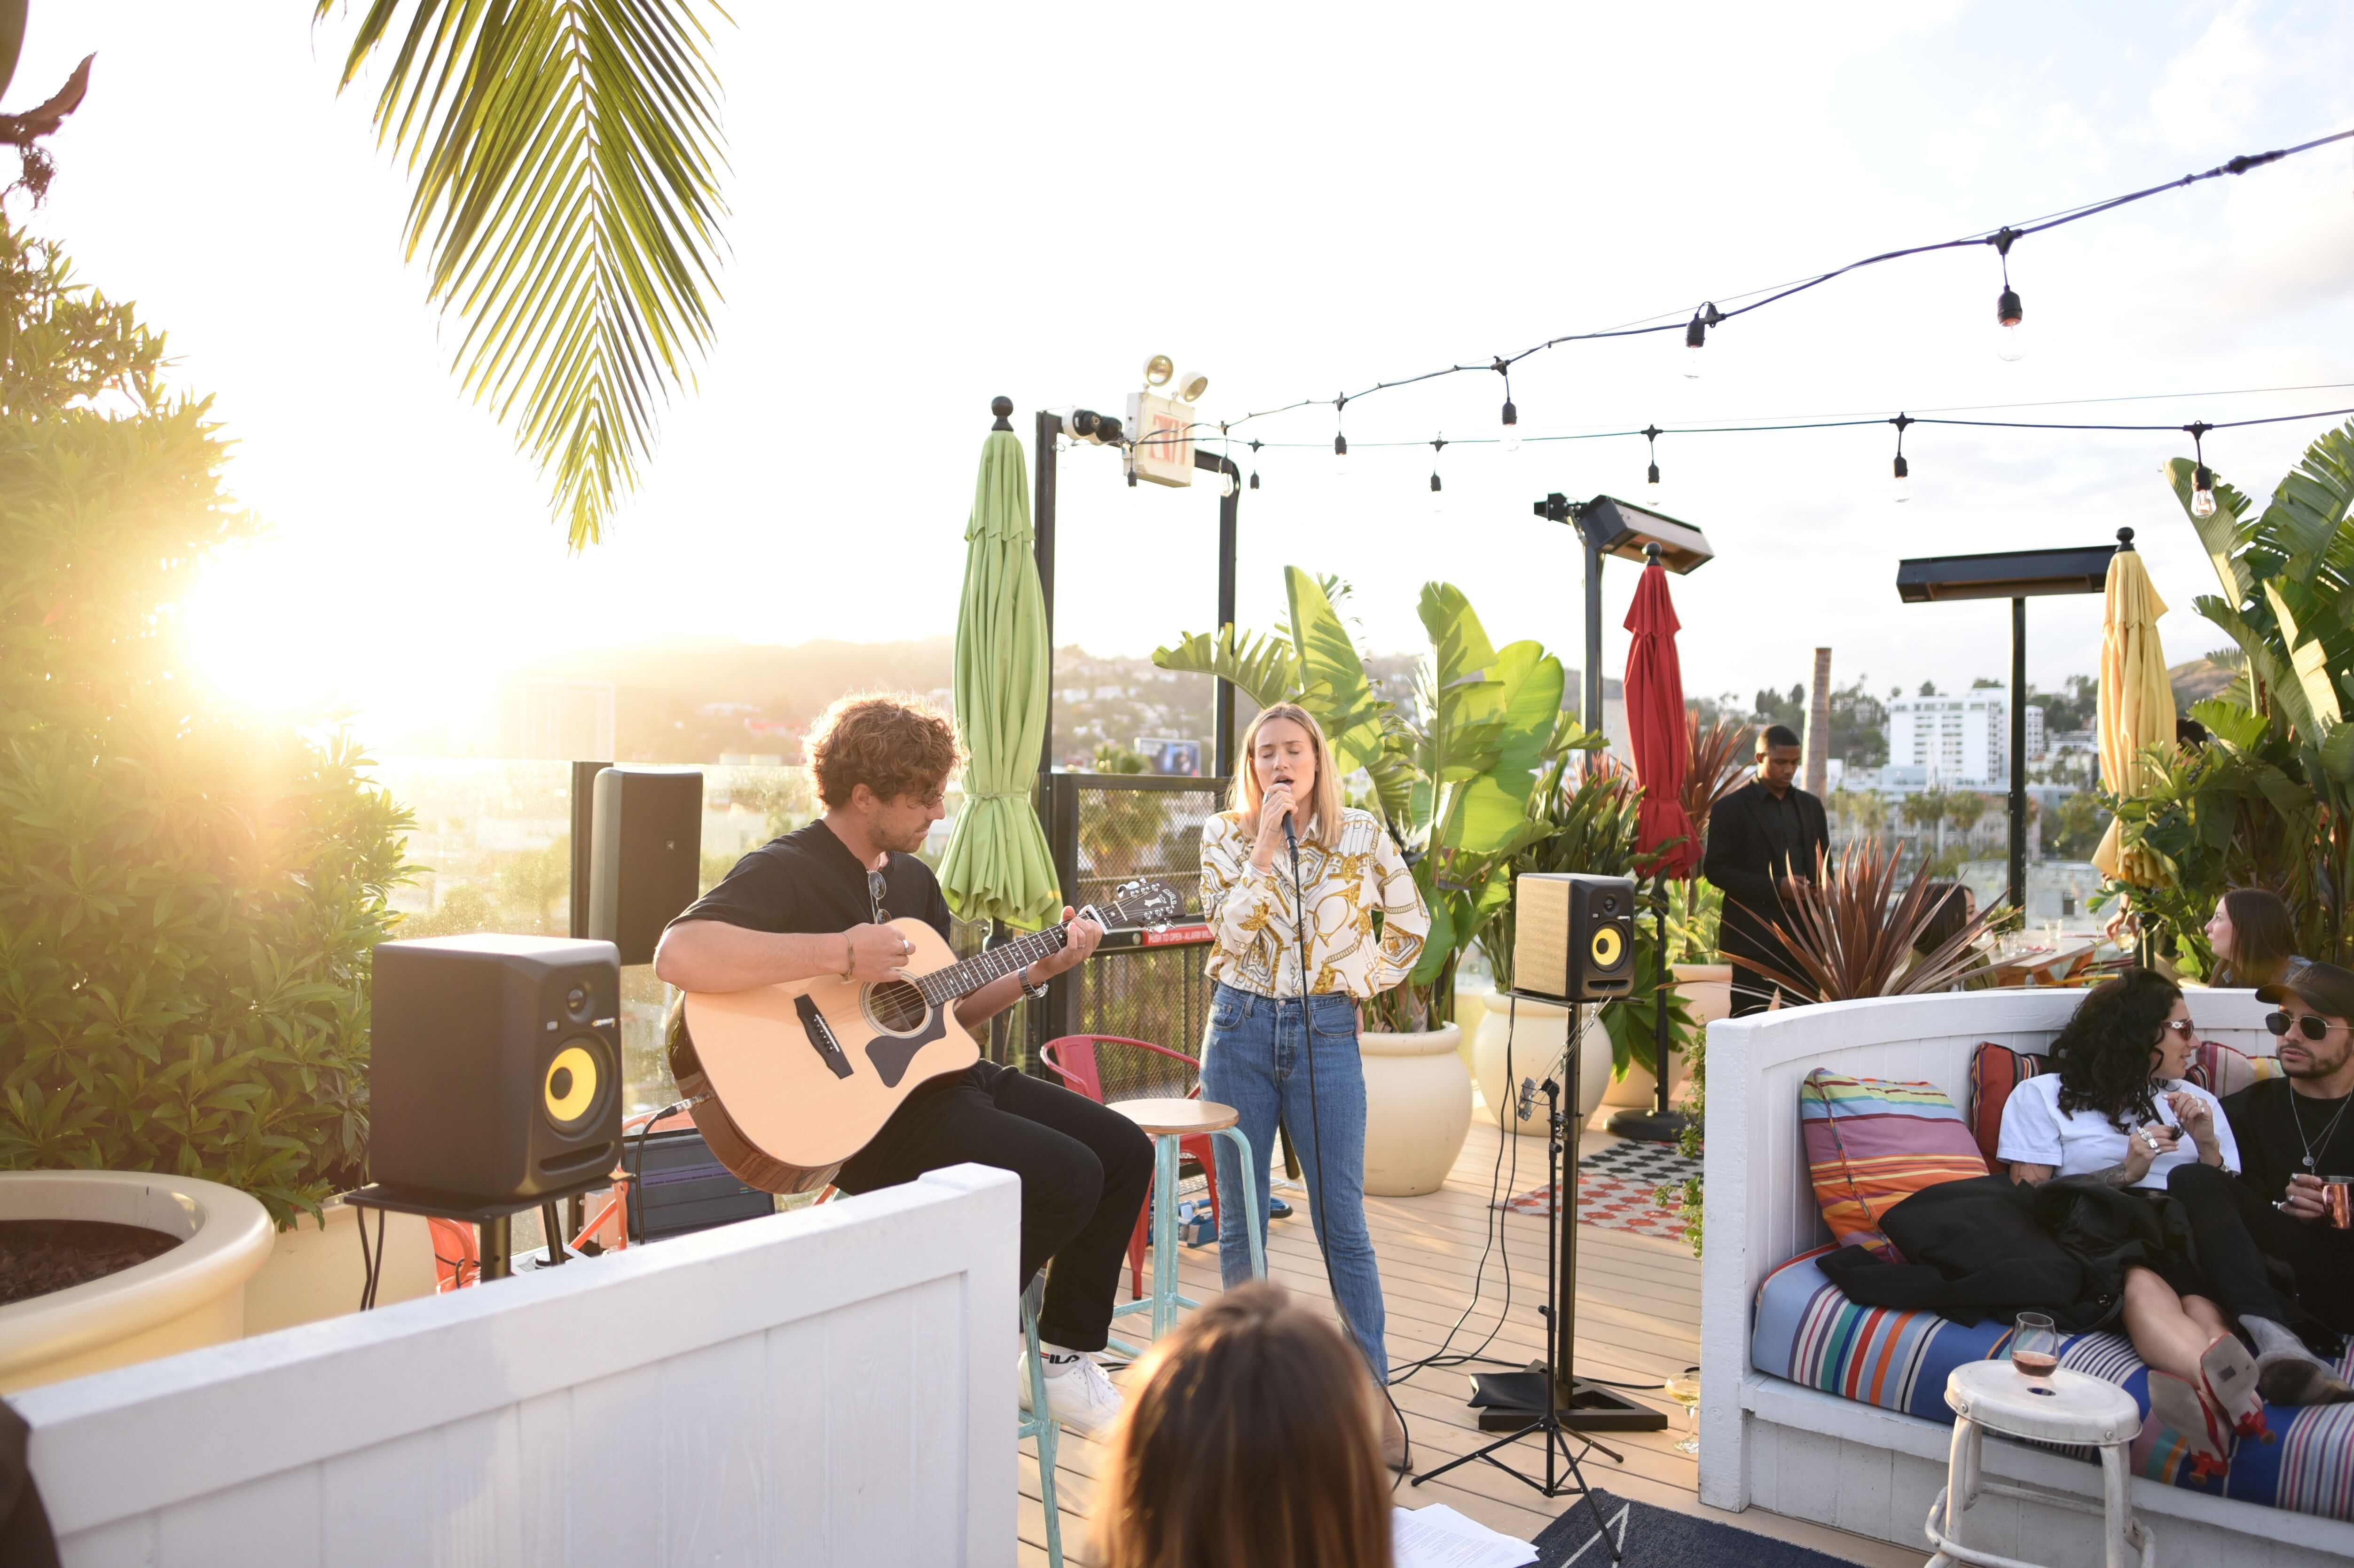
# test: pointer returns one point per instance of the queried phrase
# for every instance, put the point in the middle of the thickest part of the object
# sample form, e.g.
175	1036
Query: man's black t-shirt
809	884
2265	1123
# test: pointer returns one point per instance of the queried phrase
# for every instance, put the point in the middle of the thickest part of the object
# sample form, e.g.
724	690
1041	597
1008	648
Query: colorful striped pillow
1995	1071
2221	1069
1871	1144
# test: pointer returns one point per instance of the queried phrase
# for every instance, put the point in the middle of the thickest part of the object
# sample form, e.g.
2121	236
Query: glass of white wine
1685	1391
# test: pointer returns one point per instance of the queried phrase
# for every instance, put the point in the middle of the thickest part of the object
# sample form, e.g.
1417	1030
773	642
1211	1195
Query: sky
933	205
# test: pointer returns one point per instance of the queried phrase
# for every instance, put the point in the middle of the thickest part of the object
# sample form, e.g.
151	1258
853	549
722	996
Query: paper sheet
1438	1537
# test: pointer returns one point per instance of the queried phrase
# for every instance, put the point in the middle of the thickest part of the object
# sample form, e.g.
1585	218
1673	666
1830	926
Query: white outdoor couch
1812	1455
833	1386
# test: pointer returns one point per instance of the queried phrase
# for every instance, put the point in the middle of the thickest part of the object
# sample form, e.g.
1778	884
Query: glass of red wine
2034	1346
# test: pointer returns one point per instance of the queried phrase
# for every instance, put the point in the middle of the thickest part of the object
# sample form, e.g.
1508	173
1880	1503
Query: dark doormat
1651	1537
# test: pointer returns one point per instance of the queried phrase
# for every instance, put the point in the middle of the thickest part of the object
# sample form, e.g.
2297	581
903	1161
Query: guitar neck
944	986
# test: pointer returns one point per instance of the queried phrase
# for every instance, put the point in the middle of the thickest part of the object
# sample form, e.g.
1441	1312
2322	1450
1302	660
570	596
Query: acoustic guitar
790	1080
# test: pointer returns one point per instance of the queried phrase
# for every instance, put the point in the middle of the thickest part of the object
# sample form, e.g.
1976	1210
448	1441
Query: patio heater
2017	575
1610	526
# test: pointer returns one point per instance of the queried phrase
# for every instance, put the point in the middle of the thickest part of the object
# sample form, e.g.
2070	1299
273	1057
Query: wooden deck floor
1637	1320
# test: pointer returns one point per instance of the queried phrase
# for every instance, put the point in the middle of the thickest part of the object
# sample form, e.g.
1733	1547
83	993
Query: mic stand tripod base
1589	1408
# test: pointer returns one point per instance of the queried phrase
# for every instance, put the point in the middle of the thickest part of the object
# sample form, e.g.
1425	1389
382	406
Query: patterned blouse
1254	914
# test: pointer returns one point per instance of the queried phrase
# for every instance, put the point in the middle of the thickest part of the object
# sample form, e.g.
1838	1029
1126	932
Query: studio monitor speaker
1573	935
495	1068
646	857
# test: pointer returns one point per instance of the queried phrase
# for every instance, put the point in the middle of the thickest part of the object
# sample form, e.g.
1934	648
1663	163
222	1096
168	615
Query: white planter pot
1417	1109
190	1297
1707	992
1536	1032
315	1271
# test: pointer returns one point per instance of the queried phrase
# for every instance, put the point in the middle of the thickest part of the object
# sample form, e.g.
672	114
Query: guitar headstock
1152	906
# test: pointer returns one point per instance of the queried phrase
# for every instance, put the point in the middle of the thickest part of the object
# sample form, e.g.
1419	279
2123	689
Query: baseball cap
2325	988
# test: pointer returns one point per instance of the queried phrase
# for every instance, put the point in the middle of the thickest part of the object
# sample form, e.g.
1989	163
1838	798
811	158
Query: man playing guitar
813	902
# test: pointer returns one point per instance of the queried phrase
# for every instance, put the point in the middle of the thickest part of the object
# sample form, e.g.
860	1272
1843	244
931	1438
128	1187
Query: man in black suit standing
1764	840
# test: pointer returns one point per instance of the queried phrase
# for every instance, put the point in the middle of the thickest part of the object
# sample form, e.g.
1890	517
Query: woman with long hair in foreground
1250	1441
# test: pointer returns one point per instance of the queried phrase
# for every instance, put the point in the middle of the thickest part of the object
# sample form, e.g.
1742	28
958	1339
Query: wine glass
2035	1347
1685	1391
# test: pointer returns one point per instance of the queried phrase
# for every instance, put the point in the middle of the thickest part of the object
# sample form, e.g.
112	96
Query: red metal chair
1073	1058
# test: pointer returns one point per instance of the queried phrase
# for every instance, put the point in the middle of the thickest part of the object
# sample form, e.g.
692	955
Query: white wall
830	1386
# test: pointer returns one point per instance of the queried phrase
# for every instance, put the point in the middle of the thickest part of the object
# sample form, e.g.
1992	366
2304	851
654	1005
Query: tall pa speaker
495	1066
1573	935
646	857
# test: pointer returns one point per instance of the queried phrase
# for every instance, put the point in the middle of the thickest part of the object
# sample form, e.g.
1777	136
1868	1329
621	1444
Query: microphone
1291	839
1528	1092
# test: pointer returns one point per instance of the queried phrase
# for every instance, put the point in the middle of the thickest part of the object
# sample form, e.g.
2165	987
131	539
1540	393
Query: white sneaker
1079	1396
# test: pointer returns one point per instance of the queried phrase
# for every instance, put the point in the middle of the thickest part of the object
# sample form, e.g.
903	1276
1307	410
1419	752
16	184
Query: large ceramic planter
1417	1109
190	1297
315	1270
1707	992
1535	1032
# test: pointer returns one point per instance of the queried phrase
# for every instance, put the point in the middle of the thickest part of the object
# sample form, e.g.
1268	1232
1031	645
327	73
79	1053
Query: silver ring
906	947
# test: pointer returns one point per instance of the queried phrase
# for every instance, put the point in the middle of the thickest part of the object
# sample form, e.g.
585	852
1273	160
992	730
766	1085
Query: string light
1340	439
2008	311
1225	464
1511	439
1254	478
1650	434
1903	472
1437	490
2202	484
1696	338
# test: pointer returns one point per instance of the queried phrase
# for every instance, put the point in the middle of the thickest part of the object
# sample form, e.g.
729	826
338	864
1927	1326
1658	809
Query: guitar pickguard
892	1053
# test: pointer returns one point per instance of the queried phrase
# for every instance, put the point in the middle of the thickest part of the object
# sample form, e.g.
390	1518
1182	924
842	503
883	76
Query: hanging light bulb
1696	338
1340	456
1904	471
2008	311
1437	490
1254	478
1225	484
1651	480
1225	464
1511	437
2202	482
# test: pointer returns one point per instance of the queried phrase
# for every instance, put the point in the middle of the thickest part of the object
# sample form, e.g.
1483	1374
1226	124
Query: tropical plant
1453	779
188	903
2269	801
1720	764
566	156
1964	808
1852	933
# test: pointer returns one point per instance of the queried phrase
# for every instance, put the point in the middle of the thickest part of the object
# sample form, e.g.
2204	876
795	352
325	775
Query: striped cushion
2221	1069
1871	1144
1995	1071
1809	1333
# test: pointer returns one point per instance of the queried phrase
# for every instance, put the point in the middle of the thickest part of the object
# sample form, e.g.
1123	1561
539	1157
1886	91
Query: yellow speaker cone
1608	945
570	1090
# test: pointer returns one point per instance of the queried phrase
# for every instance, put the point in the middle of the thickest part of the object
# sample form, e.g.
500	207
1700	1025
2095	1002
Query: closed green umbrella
997	865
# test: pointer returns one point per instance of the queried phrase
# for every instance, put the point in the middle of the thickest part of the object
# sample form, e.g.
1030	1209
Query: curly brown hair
889	741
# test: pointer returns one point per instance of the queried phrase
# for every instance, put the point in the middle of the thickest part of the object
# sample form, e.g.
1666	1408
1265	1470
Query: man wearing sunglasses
2292	1132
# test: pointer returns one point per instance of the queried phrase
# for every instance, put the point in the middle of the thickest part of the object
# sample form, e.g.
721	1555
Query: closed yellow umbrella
2136	704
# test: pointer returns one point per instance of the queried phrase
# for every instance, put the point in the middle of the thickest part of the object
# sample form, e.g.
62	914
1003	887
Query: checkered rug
1615	1190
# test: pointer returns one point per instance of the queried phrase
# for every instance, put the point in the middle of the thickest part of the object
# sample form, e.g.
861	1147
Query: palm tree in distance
564	158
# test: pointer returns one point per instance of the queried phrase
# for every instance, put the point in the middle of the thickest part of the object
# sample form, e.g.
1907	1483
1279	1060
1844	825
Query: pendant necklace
2297	1111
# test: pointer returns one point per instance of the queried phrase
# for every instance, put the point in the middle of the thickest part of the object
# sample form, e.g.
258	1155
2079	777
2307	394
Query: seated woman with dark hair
2254	936
1952	906
2115	1110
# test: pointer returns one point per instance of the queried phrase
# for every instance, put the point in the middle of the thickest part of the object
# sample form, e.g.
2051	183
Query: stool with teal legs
1166	1122
1040	1421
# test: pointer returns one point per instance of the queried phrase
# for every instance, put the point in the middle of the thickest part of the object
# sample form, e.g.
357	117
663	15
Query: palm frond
565	159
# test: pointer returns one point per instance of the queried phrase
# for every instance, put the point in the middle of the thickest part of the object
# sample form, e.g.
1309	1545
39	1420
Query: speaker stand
493	1223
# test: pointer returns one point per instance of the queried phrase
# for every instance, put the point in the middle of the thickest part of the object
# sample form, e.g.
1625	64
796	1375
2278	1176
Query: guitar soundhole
898	1006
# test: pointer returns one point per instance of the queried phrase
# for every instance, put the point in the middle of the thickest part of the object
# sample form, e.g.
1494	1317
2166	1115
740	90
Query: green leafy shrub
188	902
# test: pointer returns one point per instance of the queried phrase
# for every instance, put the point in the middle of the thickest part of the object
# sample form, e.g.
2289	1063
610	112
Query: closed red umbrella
1655	728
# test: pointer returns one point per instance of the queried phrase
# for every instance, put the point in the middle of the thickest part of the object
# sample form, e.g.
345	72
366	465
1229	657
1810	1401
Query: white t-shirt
2084	1142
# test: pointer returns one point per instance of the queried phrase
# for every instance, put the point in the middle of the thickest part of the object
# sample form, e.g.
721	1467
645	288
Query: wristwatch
1035	993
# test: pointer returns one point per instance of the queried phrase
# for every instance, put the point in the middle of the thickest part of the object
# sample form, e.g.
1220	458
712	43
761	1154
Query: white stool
2067	1407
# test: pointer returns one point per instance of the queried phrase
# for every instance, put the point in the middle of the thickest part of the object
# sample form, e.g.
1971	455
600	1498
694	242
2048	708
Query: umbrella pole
1659	1124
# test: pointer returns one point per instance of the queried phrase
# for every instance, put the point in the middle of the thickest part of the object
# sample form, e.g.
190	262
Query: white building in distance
1959	740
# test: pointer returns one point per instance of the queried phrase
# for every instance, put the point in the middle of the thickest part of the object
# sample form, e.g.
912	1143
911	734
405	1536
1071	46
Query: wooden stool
2066	1407
1166	1121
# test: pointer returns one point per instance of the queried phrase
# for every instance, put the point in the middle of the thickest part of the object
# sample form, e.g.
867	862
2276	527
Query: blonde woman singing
1273	1003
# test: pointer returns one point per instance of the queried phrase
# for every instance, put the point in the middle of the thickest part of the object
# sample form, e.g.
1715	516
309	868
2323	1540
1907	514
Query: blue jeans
1255	1058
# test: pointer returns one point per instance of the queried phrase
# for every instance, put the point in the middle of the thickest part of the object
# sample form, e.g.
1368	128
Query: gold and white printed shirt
1255	918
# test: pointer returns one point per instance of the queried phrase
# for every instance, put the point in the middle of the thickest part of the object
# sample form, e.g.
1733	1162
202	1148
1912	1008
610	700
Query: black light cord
2000	237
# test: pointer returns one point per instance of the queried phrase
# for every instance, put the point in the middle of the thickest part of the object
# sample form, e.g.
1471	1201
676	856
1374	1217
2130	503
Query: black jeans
2236	1229
1084	1171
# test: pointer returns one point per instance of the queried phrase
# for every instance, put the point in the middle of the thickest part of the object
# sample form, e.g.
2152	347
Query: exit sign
1162	430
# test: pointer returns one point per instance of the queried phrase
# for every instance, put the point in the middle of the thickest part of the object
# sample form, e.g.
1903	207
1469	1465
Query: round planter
1417	1109
192	1295
1707	992
1537	1030
314	1269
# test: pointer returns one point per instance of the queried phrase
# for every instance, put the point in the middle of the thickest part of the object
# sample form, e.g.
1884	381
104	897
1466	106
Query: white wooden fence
832	1386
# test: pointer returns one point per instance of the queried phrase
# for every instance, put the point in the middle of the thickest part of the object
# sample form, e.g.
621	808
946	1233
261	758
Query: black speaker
495	1066
1573	935
647	856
